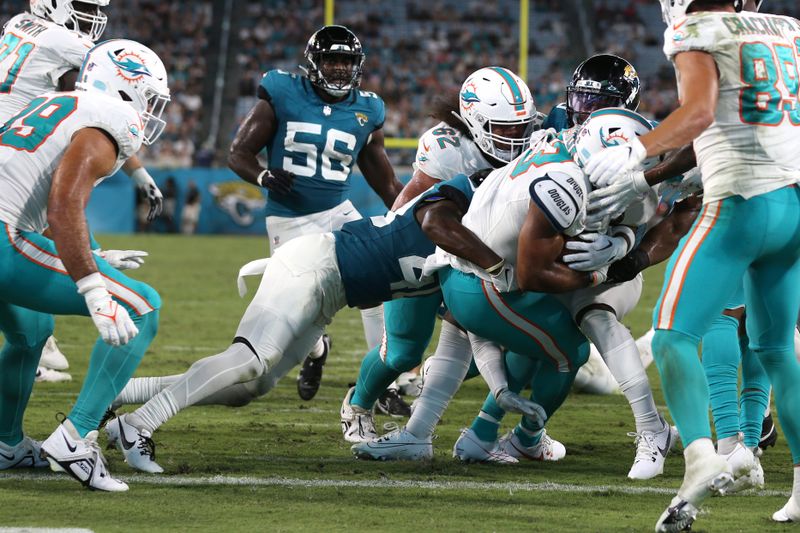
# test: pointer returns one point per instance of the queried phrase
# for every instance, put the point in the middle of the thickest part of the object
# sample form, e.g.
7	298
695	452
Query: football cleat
546	449
594	377
410	384
135	444
789	512
712	476
44	374
52	357
79	457
392	404
651	451
310	377
25	454
470	449
400	444
358	425
746	468
769	433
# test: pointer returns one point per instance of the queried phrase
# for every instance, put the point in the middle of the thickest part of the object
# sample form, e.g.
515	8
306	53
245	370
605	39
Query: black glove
277	180
626	268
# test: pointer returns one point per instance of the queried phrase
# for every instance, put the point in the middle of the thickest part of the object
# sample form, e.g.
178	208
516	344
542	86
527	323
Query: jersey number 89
772	84
332	164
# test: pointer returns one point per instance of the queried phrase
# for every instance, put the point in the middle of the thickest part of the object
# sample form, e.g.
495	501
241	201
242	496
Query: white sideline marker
547	486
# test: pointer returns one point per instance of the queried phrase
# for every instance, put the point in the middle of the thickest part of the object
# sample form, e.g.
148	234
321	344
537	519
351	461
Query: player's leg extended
409	324
754	398
25	333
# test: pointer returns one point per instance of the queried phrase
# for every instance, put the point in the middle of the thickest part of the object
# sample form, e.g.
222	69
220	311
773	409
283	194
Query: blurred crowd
415	49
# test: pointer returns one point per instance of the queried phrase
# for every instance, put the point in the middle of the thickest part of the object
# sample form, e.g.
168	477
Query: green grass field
280	464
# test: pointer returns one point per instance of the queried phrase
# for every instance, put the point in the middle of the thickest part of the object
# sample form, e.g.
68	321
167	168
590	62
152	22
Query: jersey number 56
331	163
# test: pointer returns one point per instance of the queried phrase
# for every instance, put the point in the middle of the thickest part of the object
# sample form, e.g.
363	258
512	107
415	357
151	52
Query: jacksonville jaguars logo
130	66
469	97
362	119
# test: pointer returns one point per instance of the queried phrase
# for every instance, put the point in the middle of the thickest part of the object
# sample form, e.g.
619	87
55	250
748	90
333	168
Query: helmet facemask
583	101
337	73
152	123
505	141
86	18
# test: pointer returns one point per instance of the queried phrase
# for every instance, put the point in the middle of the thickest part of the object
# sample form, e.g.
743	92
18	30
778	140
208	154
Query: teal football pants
732	239
408	328
34	285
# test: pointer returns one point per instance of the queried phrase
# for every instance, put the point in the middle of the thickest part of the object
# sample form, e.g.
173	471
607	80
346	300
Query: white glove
607	164
514	403
503	277
599	276
611	201
595	250
123	259
111	319
144	181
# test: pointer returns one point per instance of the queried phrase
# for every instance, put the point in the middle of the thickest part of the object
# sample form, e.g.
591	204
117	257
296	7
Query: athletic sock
754	398
721	358
372	319
373	378
139	390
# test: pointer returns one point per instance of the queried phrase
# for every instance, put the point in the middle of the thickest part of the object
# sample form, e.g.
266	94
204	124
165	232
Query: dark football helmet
334	60
603	80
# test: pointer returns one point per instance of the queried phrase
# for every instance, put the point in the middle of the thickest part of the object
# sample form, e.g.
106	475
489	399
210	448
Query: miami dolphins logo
130	66
469	97
615	137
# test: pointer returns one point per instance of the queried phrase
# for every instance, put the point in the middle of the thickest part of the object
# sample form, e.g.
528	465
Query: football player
41	51
52	154
315	127
737	75
487	125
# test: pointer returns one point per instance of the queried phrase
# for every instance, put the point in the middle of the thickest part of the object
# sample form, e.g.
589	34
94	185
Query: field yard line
249	481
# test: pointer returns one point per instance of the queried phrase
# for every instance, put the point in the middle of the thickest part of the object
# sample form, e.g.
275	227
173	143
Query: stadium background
216	51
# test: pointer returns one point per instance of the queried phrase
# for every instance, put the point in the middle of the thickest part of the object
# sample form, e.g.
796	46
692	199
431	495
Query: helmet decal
130	66
516	93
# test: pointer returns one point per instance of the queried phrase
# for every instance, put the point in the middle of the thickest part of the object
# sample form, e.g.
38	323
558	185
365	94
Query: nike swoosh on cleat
70	446
664	451
126	444
6	457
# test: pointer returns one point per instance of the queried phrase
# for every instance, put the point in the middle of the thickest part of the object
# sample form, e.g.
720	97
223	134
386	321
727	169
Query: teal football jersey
317	141
557	118
381	258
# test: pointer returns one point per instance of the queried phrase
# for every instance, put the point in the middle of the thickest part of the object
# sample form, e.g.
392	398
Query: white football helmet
609	127
133	73
76	15
498	109
675	9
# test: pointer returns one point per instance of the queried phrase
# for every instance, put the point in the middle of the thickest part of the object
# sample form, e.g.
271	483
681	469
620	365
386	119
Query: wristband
496	269
140	176
260	177
90	282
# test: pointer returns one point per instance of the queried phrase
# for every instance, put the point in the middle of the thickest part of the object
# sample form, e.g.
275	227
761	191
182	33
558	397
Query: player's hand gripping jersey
443	152
33	141
34	54
758	113
544	174
318	141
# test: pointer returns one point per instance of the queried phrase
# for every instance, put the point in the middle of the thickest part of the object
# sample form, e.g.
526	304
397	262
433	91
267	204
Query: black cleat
392	404
310	376
769	433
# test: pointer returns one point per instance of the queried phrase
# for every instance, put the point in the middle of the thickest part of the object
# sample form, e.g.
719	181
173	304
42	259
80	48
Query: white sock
139	390
618	349
727	445
318	349
444	372
796	484
372	319
207	376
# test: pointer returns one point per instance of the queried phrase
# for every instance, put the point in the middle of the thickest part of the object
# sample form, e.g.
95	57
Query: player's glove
276	179
503	277
144	181
111	319
596	250
514	403
609	202
628	267
123	259
606	165
598	277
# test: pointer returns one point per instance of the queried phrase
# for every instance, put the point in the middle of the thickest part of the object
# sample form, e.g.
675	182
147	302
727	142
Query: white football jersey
444	152
545	175
32	145
39	53
753	144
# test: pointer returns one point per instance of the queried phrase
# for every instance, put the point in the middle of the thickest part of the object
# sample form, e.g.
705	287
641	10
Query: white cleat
26	454
746	468
547	449
358	425
79	457
409	384
399	445
594	377
651	451
470	449
712	476
788	513
136	445
52	357
48	375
